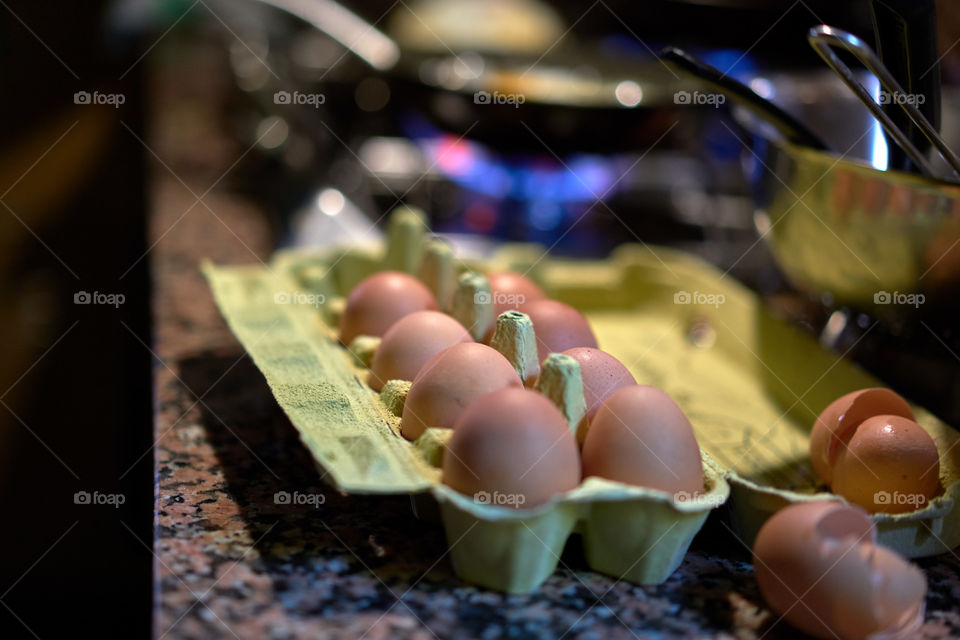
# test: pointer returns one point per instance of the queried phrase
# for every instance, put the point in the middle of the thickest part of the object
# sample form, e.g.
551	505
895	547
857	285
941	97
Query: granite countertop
229	562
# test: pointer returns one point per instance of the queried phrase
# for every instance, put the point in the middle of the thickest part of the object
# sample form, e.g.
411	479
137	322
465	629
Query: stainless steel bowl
837	225
844	224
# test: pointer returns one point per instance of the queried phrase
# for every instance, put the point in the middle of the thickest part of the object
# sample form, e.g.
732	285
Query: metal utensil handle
823	38
788	126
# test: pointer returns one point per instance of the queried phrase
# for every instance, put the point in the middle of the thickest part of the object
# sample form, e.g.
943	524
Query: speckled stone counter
231	562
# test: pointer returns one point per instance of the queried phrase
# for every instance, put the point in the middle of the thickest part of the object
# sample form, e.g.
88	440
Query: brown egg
641	437
449	381
834	427
558	327
602	375
818	565
410	343
513	448
380	300
510	290
890	464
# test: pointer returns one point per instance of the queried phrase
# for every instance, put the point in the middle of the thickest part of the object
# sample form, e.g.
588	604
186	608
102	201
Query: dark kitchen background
87	117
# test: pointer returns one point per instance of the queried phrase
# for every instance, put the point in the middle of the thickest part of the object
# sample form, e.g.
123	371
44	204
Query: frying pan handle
906	43
359	37
824	38
788	126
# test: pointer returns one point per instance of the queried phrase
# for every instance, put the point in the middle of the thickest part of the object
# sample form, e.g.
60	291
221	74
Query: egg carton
751	385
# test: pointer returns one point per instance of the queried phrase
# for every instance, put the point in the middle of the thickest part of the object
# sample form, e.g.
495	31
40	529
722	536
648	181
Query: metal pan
579	99
886	240
864	236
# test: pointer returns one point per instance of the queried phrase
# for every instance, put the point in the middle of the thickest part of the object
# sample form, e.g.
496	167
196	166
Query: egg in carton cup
633	533
751	385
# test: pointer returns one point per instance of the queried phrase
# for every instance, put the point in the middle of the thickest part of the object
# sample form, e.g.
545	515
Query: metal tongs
824	38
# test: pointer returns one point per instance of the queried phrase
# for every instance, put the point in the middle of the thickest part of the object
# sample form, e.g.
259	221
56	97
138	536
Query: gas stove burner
579	178
576	203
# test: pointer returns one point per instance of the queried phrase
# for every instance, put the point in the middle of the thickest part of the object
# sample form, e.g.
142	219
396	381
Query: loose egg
380	300
640	436
834	427
410	343
558	327
818	565
602	375
449	381
512	448
890	464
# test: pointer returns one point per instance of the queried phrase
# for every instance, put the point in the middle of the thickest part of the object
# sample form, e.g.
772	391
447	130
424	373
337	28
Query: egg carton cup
924	532
751	384
632	533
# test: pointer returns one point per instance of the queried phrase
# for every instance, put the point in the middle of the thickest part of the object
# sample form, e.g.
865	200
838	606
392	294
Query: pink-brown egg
410	343
380	300
836	424
602	375
512	448
641	437
890	464
451	380
509	291
558	327
818	565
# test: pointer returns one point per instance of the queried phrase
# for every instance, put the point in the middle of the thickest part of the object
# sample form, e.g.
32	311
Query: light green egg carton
751	385
636	534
